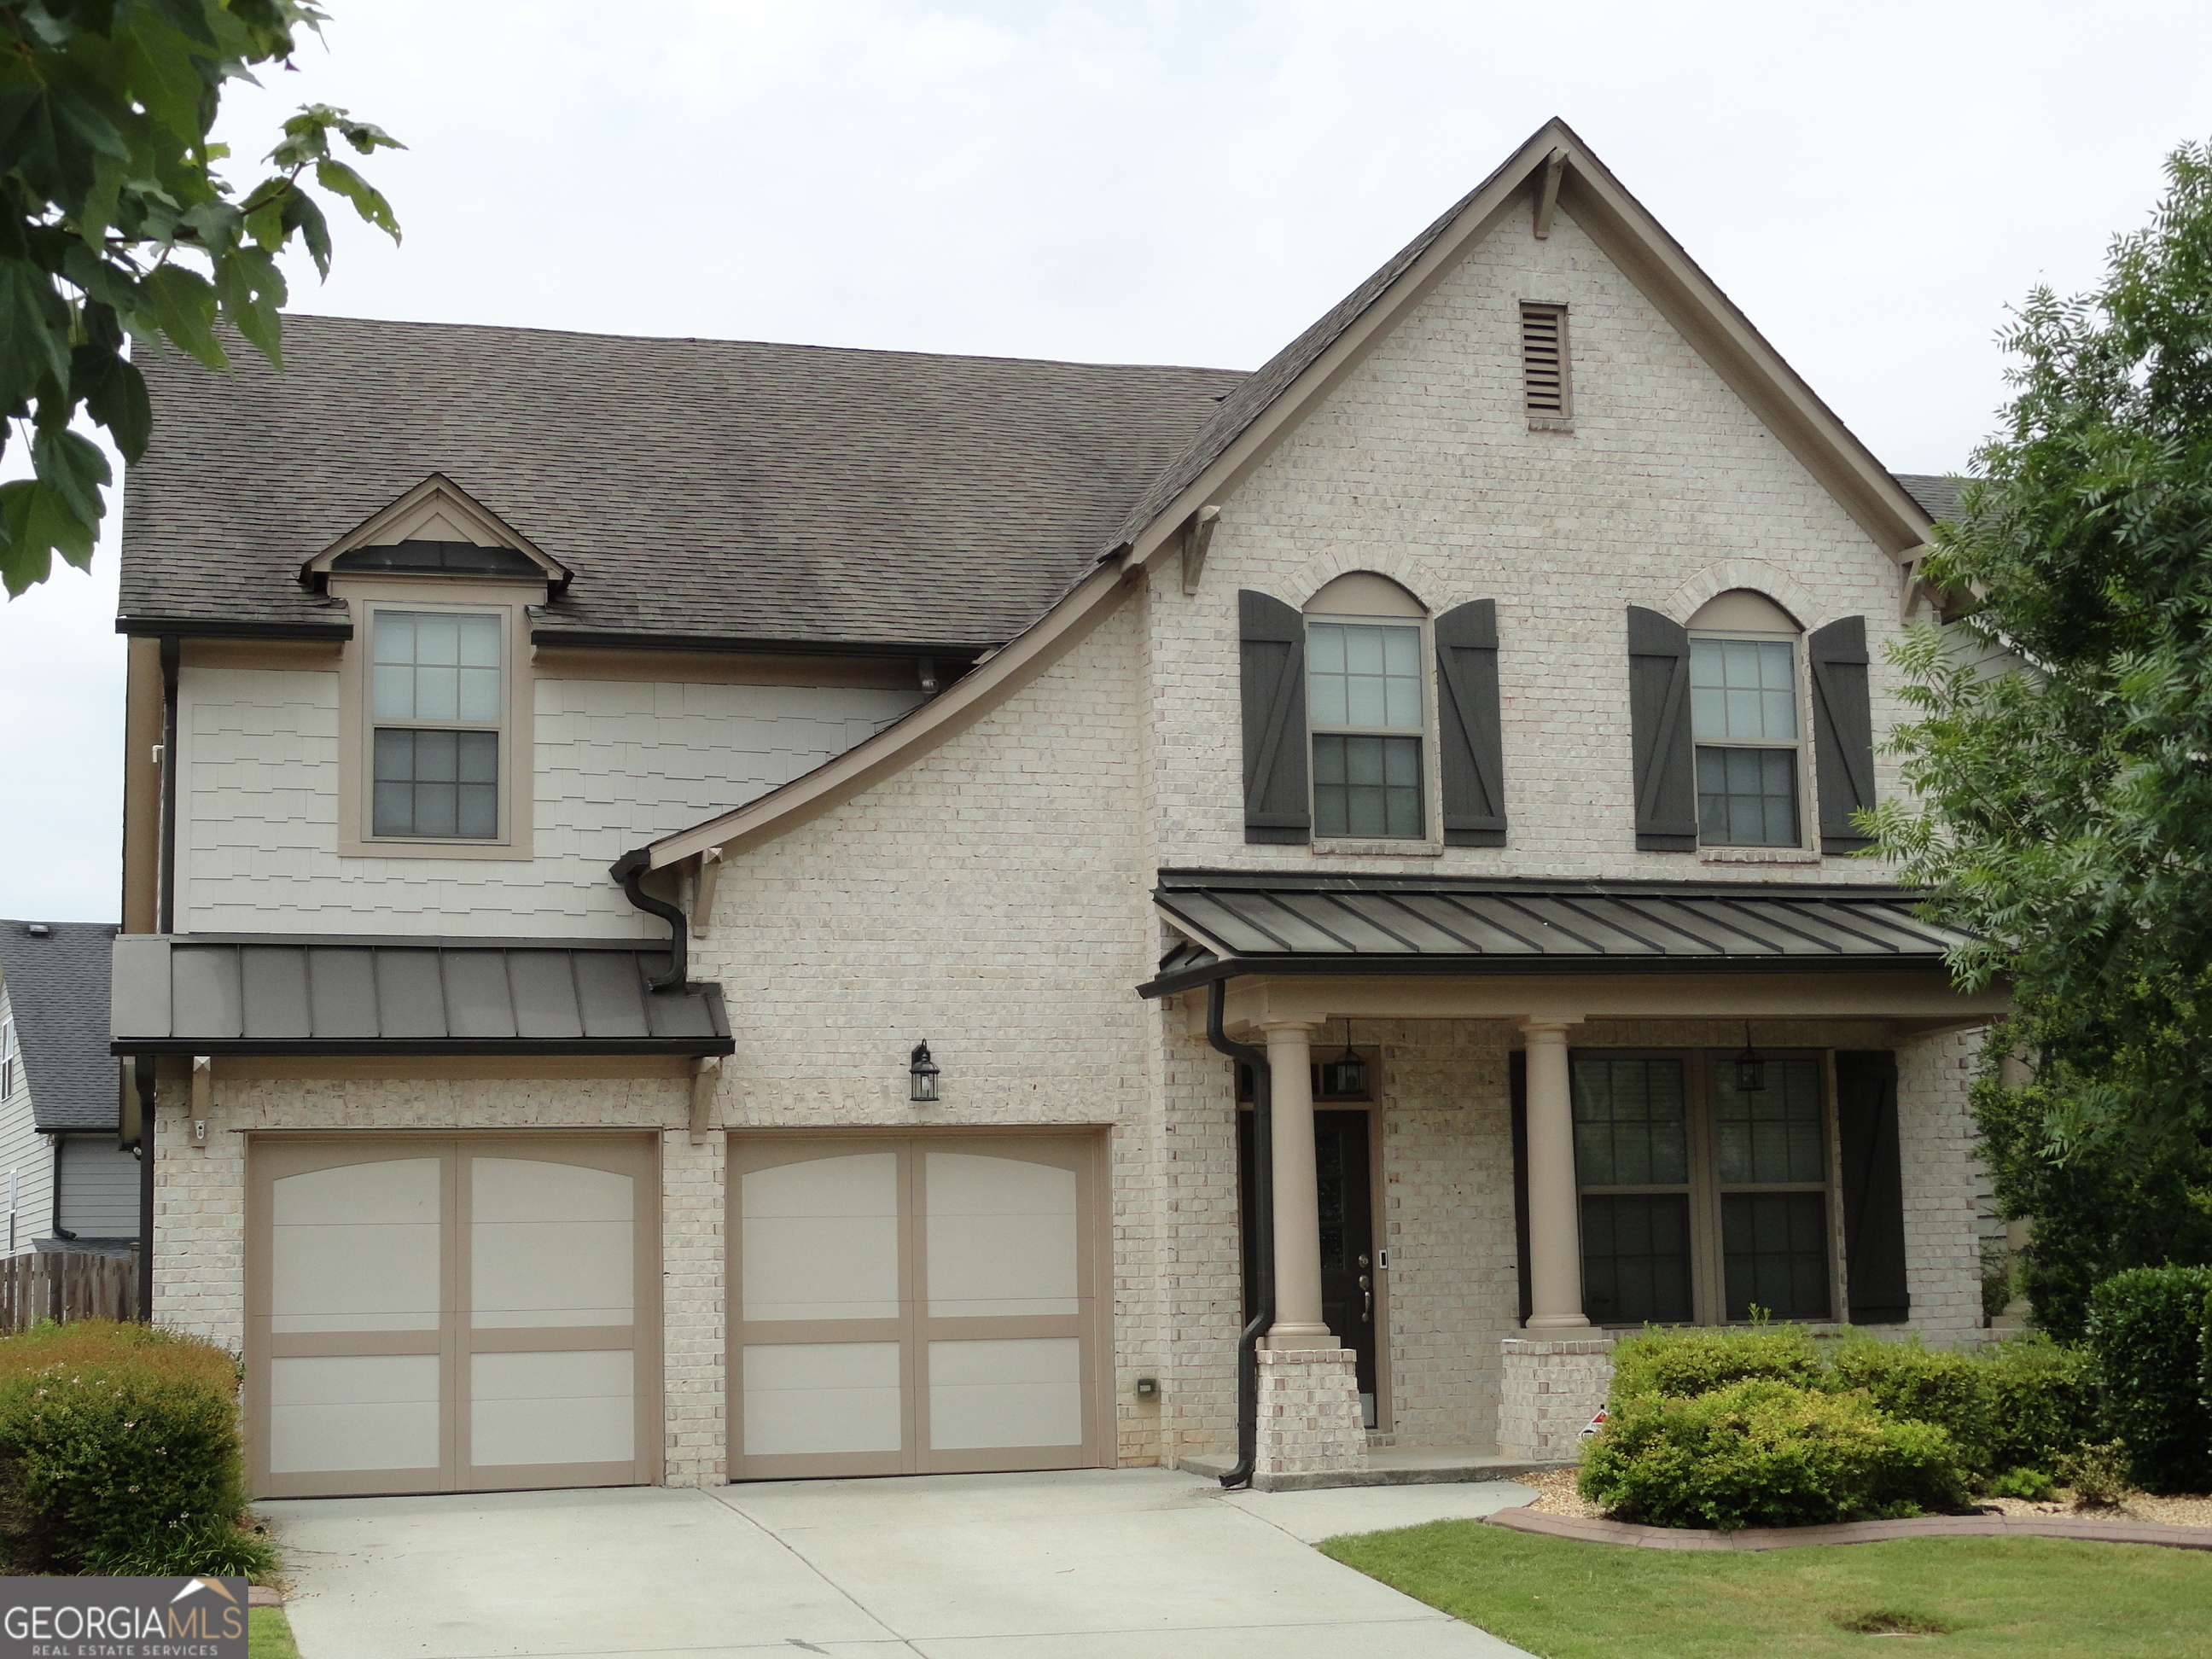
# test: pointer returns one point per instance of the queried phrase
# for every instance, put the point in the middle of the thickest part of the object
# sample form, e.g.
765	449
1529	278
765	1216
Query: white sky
1872	183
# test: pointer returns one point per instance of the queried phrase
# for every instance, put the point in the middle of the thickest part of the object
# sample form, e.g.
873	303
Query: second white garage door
915	1304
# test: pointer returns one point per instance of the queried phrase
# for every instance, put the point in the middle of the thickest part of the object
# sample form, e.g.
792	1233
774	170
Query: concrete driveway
1094	1563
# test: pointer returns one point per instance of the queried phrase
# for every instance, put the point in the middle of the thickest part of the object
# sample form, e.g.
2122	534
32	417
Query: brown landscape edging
1594	1531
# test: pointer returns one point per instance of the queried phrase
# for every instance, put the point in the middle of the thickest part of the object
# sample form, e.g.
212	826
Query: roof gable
1554	169
436	513
58	991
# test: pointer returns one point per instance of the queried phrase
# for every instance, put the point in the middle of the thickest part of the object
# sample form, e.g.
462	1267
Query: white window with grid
1367	710
1744	713
437	710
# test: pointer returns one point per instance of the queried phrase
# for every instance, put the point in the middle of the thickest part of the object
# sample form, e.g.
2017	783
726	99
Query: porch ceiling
1241	923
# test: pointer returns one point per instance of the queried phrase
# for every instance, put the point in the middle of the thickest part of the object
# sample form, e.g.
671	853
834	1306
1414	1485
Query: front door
1348	1279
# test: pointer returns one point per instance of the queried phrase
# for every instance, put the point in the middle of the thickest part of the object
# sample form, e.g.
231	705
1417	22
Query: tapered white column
1555	1240
1298	1323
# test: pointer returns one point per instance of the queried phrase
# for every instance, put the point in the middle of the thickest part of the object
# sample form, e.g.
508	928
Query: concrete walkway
1095	1564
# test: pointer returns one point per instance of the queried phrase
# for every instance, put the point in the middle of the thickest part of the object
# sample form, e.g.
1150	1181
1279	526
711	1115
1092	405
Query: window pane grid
1702	1201
1363	674
1367	785
432	665
1748	796
436	783
1743	689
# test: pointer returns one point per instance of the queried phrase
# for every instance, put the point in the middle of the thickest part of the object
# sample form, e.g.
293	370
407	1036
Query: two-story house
702	910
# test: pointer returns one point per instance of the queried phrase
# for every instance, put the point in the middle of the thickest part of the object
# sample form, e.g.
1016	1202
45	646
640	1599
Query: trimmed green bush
2042	1401
1684	1362
1764	1453
2147	1332
118	1443
1906	1381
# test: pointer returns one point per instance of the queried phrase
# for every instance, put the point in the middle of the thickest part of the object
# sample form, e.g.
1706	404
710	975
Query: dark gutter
629	870
54	1210
378	1048
230	628
1260	1214
606	639
1441	965
165	904
143	1075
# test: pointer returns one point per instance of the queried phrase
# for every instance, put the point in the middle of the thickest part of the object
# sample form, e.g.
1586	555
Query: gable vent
1544	364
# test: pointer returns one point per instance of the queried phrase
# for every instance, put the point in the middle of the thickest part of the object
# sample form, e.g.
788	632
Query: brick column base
1310	1418
1548	1393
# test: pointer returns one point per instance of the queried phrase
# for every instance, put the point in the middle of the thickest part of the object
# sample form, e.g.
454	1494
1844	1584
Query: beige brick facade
989	896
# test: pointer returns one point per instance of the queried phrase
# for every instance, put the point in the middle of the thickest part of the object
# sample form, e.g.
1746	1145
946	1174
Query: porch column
1298	1323
1555	1246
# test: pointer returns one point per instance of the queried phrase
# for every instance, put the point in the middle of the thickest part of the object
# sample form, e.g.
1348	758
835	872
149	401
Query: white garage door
451	1316
914	1305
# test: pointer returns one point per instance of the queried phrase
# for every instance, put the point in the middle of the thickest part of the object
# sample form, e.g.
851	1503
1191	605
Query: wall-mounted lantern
1750	1067
921	1073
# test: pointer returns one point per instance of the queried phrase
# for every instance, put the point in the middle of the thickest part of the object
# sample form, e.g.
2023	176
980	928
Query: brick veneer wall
1552	1389
1308	1413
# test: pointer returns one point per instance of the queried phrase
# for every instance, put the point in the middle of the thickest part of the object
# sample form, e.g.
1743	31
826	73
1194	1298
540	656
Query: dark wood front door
1347	1235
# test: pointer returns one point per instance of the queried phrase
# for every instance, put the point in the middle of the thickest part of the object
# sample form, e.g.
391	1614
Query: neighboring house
676	890
71	1185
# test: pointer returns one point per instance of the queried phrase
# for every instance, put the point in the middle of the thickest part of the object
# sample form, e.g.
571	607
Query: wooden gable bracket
1197	536
702	884
1547	192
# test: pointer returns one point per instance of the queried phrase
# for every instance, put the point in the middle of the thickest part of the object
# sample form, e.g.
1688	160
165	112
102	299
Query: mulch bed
1596	1530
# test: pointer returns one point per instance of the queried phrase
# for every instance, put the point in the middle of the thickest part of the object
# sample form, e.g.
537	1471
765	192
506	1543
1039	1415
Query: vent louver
1544	363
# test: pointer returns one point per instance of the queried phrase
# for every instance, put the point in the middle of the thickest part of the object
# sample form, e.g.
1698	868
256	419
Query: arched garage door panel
916	1305
452	1315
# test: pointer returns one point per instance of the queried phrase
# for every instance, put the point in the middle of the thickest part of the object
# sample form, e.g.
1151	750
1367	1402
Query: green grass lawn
269	1635
2027	1598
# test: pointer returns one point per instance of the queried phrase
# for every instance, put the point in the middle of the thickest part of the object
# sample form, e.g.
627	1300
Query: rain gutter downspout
171	655
1260	1212
630	870
141	1073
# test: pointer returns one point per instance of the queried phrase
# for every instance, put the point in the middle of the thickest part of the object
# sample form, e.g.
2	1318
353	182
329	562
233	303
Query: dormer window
437	698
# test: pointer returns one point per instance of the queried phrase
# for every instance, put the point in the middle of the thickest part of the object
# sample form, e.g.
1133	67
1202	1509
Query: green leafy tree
115	227
2064	761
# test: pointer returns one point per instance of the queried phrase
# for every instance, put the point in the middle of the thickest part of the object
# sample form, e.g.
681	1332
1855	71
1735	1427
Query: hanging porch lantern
1346	1075
1750	1067
921	1073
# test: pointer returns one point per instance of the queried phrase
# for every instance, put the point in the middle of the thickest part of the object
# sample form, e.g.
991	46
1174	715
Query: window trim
1705	1188
366	595
1801	745
1430	838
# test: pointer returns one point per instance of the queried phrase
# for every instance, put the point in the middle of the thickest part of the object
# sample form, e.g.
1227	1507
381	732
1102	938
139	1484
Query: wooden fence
65	1287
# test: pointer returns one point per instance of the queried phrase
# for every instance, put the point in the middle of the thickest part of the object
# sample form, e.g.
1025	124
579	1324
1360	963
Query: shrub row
2018	1404
2150	1332
119	1452
1771	1427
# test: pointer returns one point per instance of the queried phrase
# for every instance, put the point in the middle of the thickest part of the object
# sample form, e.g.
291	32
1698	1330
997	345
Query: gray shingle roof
707	490
58	986
1938	496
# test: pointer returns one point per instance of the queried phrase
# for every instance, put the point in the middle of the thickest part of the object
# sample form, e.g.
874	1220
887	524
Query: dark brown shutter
1273	662
1873	1186
1659	717
1472	758
1842	731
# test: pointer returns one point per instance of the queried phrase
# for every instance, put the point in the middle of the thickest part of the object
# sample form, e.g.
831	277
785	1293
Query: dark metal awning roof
247	994
1244	923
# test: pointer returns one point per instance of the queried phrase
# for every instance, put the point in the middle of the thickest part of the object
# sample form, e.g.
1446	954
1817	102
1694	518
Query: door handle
1366	1300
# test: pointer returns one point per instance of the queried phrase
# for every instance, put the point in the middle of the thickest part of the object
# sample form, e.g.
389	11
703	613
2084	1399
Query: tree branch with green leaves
2061	747
117	232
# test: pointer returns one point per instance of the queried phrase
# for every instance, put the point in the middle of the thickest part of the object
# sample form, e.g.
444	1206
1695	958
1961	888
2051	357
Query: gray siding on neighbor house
29	1155
99	1188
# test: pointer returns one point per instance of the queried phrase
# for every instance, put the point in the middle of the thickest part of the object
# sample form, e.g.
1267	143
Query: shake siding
617	763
